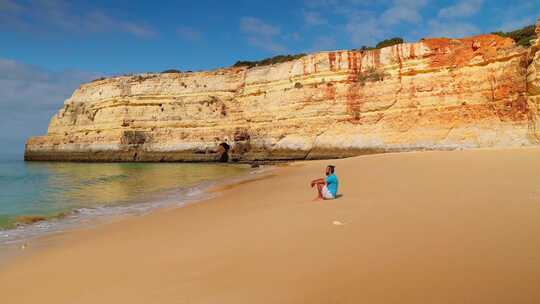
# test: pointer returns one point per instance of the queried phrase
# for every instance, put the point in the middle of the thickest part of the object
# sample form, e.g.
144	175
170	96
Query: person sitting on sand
327	187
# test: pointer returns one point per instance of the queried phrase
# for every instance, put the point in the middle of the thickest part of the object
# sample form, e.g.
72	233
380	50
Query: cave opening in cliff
224	152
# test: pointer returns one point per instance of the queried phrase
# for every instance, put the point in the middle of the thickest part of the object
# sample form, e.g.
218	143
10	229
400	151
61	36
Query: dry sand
431	227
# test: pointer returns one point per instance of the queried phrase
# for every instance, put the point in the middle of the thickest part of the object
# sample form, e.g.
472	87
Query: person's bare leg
319	191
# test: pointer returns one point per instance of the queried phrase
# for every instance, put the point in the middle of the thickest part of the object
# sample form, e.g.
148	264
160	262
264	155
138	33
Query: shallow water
33	191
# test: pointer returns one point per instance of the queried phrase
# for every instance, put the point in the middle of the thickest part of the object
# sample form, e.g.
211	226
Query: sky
48	47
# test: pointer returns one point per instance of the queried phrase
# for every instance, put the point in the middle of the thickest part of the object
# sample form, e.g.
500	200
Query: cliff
481	91
533	88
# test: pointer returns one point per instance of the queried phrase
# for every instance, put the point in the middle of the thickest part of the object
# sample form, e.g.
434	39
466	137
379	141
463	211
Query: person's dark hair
332	168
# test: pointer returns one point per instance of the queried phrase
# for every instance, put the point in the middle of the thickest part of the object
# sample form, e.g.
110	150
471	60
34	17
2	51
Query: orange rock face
533	88
459	52
438	93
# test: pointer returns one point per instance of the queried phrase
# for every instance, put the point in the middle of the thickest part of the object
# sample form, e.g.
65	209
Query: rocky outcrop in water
481	91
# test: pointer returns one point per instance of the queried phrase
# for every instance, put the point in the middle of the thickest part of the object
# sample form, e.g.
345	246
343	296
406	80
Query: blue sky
48	47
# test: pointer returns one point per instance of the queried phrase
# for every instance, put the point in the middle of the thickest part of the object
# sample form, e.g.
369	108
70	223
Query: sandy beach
423	227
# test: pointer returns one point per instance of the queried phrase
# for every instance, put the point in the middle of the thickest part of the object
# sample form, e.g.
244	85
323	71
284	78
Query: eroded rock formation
481	91
533	88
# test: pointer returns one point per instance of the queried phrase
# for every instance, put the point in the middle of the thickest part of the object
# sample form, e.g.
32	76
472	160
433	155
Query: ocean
41	197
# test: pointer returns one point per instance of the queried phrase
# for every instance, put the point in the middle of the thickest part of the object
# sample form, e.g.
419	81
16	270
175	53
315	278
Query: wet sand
427	227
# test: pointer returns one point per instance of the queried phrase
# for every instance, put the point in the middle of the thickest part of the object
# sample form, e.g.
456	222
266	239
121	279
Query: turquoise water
48	191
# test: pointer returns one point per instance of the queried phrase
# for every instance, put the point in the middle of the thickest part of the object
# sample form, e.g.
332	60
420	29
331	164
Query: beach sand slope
426	227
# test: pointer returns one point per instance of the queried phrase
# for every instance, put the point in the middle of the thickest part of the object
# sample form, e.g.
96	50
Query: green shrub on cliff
389	42
364	48
522	36
268	61
171	71
383	44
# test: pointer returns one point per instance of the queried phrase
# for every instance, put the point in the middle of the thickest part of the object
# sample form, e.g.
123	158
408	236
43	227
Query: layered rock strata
481	91
533	88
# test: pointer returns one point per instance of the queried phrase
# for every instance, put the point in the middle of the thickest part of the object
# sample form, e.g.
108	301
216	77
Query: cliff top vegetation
522	36
383	44
269	61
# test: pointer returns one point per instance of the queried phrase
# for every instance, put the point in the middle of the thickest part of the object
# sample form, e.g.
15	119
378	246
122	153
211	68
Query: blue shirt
332	184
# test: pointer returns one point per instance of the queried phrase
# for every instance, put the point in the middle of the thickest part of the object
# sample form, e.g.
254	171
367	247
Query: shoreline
438	227
49	226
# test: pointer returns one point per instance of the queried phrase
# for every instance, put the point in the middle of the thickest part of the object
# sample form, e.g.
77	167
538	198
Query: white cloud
29	96
368	22
135	29
451	29
294	36
189	33
255	26
463	8
261	34
411	3
364	29
403	10
324	43
367	25
266	43
515	24
397	14
346	3
312	18
320	3
26	87
55	16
